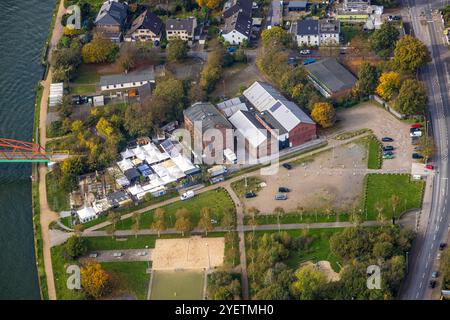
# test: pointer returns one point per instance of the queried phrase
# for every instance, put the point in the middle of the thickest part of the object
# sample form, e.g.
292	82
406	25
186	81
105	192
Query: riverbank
42	215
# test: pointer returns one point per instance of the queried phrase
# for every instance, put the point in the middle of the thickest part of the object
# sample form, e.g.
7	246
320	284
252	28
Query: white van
187	195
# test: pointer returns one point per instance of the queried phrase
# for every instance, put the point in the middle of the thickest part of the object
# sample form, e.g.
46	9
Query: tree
136	217
182	224
395	201
351	243
113	218
410	54
182	213
205	221
428	147
94	280
99	50
127	57
229	219
383	40
177	50
71	168
210	4
158	221
412	98
138	120
388	85
279	211
309	283
75	247
275	36
367	80
323	113
379	206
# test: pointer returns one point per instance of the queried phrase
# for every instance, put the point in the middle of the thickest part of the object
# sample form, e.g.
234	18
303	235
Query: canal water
24	27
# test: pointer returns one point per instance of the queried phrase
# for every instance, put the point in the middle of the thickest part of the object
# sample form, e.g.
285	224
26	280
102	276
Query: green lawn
177	285
381	187
86	75
217	200
241	189
129	278
60	276
83	89
320	247
375	155
58	199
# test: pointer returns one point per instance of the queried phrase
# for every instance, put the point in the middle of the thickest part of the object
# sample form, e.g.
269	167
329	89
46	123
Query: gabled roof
331	74
329	26
208	114
136	76
181	25
308	27
297	4
238	5
240	21
112	12
247	125
147	20
266	99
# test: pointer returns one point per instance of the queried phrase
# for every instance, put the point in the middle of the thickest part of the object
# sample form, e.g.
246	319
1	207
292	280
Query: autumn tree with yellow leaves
324	114
94	280
388	85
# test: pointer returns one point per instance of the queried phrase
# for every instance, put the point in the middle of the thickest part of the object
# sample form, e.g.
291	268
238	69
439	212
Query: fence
386	105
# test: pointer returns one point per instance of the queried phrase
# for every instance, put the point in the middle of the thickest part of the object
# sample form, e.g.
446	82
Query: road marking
423	275
420	285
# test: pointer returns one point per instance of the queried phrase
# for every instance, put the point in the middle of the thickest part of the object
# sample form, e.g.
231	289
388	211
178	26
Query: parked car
388	153
417	156
435	274
432	284
283	189
117	254
93	255
187	195
249	195
231	49
416	126
418	148
416	133
305	51
281	196
287	166
387	139
142	253
388	156
429	167
414	140
388	148
439	256
308	61
442	246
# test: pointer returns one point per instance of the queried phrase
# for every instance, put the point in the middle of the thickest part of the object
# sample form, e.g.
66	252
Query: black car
388	153
387	139
388	148
442	246
432	284
417	156
283	189
250	195
287	166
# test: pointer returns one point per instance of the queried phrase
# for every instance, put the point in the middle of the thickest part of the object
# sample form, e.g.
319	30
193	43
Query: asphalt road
436	76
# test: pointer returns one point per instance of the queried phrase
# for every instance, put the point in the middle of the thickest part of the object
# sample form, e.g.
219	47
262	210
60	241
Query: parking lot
120	255
383	124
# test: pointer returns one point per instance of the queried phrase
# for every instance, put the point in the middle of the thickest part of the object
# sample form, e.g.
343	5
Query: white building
127	81
317	32
181	28
86	214
238	28
56	94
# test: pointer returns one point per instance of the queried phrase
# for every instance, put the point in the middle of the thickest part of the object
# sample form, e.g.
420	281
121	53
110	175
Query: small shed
99	101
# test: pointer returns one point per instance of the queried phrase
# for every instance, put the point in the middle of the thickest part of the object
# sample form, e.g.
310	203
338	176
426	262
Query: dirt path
47	216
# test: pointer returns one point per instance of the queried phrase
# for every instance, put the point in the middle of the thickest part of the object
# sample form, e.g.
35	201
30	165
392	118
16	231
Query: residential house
146	27
317	32
356	5
111	20
330	78
181	28
282	118
233	6
120	82
238	27
204	116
